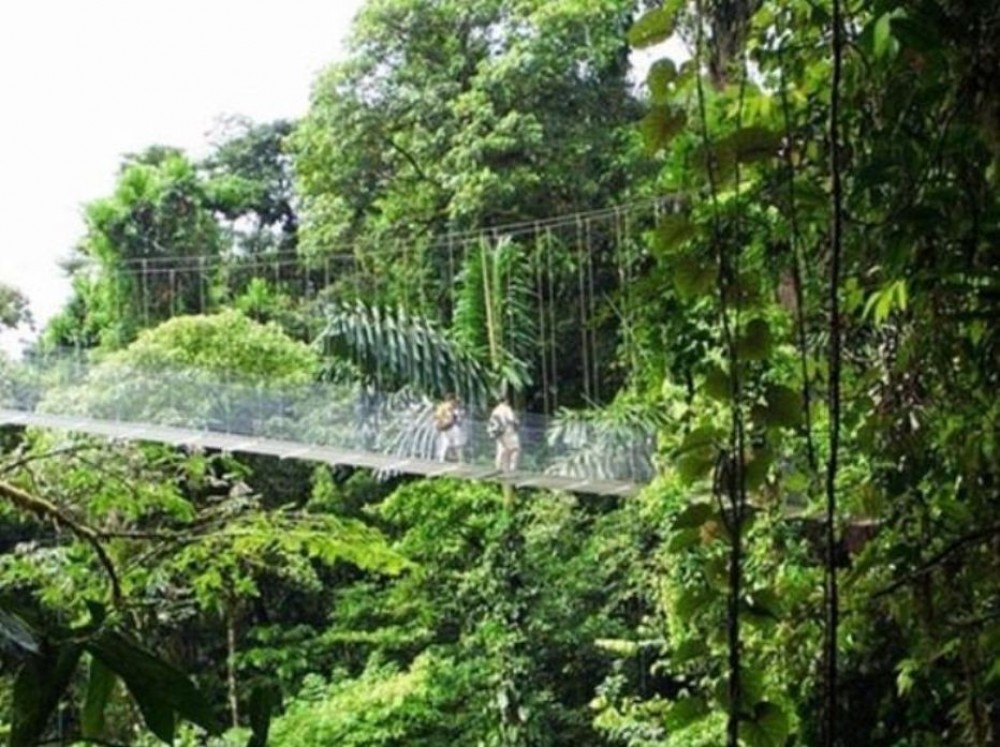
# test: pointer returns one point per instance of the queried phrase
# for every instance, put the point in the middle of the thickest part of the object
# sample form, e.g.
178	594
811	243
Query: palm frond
396	349
615	443
495	310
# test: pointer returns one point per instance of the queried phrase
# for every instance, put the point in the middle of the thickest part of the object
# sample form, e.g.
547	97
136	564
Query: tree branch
935	560
29	458
47	510
411	160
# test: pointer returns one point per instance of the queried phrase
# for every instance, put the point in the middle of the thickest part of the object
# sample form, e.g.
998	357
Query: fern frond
396	349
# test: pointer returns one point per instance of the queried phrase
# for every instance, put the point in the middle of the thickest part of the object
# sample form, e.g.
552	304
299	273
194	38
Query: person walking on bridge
503	428
448	419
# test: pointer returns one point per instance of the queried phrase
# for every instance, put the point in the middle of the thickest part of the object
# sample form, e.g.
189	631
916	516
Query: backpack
444	416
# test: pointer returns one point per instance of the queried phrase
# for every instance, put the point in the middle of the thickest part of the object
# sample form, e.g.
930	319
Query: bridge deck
131	431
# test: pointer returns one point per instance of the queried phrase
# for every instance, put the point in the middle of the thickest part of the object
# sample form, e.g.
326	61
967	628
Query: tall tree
13	307
250	184
130	270
452	115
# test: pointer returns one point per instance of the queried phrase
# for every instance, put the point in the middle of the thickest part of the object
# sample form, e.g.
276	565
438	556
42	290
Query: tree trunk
234	703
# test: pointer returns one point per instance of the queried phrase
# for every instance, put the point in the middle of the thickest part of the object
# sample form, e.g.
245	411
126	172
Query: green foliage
249	180
158	211
227	345
393	348
745	271
543	619
381	707
453	115
13	307
45	672
495	311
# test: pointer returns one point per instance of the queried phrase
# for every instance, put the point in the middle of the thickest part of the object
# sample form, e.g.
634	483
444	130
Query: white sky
82	83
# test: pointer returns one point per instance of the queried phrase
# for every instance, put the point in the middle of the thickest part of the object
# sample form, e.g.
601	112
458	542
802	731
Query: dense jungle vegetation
812	329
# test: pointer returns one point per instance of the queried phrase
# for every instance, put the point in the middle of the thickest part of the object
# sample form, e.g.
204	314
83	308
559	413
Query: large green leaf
692	649
751	690
762	606
691	602
718	384
672	231
100	685
697	455
693	277
695	515
398	349
161	691
660	78
661	125
785	407
39	684
686	711
755	342
768	727
756	468
654	26
683	539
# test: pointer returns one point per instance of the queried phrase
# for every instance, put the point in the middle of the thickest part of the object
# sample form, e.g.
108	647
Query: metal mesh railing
347	416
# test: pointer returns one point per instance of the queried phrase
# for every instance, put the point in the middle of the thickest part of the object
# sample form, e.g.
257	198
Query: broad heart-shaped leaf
686	711
752	144
756	468
694	515
661	125
690	650
38	687
671	232
762	606
661	75
683	539
755	342
654	26
99	687
784	407
751	691
767	728
747	145
161	691
693	277
718	384
696	460
691	601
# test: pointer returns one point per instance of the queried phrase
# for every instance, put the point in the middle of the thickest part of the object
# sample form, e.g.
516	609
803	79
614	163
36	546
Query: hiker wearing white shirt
502	427
448	419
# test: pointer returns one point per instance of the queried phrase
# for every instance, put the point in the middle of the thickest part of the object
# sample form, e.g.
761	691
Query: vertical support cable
452	277
592	314
554	343
144	290
630	278
584	338
542	327
623	284
172	291
202	281
120	289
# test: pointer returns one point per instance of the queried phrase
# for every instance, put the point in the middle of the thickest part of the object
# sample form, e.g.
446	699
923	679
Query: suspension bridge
576	272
